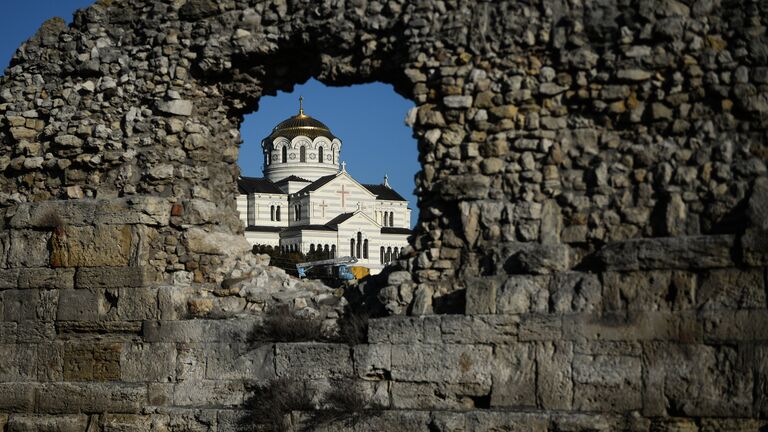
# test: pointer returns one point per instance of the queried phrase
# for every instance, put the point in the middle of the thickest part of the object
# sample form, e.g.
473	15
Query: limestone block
137	304
90	397
17	362
554	383
642	325
313	360
436	396
540	259
28	248
9	278
469	329
50	362
607	383
514	376
402	330
46	423
114	277
233	330
732	289
697	380
649	290
126	422
536	327
757	206
754	247
372	361
441	363
175	107
78	305
487	420
692	252
208	393
145	210
215	243
760	363
19	305
92	362
155	362
575	292
34	331
735	326
239	362
46	278
731	424
523	294
97	246
17	397
191	361
8	331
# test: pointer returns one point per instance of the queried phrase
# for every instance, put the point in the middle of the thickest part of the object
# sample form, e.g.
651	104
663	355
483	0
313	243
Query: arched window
327	252
334	156
272	213
352	247
384	221
333	251
391	219
285	154
311	248
359	245
381	254
402	251
302	154
267	158
365	249
320	154
277	213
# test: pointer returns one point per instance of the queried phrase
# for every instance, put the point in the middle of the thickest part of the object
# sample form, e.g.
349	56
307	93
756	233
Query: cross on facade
342	192
323	206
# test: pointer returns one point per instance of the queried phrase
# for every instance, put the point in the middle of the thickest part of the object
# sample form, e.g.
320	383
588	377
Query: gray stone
90	397
607	383
239	362
523	294
78	305
757	208
514	376
313	360
633	74
44	423
112	277
148	362
458	101
175	107
441	363
29	248
554	382
692	252
194	393
541	259
17	397
575	292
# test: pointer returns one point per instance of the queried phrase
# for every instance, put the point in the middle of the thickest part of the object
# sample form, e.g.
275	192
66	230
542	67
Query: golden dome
300	125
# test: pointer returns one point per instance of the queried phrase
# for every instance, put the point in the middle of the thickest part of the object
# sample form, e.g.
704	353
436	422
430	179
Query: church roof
293	178
249	185
395	230
263	228
339	219
300	125
383	192
322	181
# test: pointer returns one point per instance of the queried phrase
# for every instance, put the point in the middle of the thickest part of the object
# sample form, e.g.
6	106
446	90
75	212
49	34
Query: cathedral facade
307	201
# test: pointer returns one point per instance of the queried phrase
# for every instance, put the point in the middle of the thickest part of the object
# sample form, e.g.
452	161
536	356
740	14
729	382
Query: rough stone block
92	362
17	362
215	243
733	289
372	361
78	305
754	247
208	393
514	376
239	362
436	396
20	305
190	361
90	398
761	380
642	325
401	330
46	423
114	277
485	420
540	259
442	363
34	331
137	304
154	362
9	278
575	292
17	397
126	423
735	326
8	332
481	295
523	294
607	383
91	246
697	380
554	383
234	330
692	252
540	327
313	360
145	210
465	329
649	290
29	248
50	362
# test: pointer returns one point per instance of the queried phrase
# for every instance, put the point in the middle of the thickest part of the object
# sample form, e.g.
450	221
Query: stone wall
593	236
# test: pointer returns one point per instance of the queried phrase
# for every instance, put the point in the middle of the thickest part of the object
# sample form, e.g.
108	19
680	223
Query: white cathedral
307	201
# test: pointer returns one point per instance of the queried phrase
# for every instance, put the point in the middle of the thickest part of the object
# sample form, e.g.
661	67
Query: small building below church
307	201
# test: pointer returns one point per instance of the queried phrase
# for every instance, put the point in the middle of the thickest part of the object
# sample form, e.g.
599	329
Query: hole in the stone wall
328	172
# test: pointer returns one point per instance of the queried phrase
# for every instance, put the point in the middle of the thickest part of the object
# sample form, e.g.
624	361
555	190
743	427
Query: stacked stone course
591	253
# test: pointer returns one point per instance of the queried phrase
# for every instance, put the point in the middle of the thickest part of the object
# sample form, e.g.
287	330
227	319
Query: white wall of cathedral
301	157
263	238
263	209
393	214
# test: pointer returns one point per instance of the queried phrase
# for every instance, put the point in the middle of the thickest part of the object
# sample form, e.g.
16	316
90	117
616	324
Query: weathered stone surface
99	246
514	376
90	398
175	107
28	248
214	393
693	252
554	383
215	243
733	289
234	330
41	423
441	363
17	397
240	362
523	294
607	383
148	362
313	360
649	290
114	277
575	292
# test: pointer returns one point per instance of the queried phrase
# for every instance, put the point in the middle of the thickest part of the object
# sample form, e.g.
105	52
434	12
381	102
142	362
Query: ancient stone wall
593	237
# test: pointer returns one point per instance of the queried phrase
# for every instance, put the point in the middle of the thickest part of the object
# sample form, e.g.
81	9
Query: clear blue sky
369	119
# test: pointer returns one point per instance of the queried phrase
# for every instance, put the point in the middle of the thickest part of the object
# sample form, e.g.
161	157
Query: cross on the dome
343	166
301	105
342	192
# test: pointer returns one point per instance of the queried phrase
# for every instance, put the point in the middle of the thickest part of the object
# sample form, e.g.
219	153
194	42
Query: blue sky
369	119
